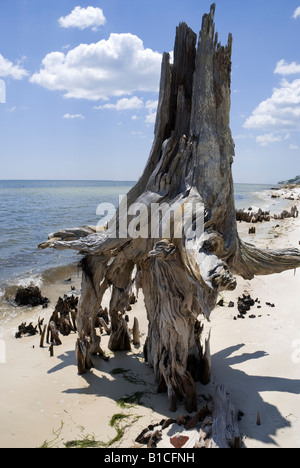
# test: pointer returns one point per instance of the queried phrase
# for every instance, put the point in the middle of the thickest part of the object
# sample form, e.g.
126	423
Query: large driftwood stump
180	275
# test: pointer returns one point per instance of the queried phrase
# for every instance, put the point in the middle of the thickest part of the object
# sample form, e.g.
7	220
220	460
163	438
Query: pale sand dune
255	358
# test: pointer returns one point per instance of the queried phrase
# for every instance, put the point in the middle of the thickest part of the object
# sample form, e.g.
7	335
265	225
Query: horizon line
112	180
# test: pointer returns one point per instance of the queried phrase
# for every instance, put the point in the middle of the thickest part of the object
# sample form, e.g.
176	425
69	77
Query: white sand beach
44	402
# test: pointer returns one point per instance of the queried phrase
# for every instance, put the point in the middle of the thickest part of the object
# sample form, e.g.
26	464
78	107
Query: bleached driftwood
216	423
225	430
67	235
293	213
189	165
260	216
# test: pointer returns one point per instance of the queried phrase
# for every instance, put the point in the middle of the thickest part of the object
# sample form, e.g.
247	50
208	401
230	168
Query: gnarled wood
189	171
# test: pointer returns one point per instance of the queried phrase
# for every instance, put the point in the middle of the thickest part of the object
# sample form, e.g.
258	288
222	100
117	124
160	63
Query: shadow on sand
250	398
126	374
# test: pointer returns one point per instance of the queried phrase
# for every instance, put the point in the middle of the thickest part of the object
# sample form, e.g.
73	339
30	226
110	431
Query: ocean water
30	210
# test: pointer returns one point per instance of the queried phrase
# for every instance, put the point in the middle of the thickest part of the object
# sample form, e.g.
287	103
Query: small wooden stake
258	421
40	324
136	332
43	336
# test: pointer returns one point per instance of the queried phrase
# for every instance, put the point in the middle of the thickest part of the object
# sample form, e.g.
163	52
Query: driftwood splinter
180	276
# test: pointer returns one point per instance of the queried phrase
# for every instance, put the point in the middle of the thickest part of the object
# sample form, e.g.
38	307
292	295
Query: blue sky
79	85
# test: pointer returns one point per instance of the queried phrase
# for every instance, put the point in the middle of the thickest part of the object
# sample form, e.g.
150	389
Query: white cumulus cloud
134	103
296	13
284	68
2	92
281	111
267	138
83	18
74	116
117	66
150	118
124	104
152	105
152	111
8	69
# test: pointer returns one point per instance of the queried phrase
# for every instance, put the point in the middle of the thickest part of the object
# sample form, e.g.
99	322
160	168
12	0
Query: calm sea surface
30	210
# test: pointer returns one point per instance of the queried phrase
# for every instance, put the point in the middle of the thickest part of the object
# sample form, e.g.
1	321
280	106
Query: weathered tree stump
187	183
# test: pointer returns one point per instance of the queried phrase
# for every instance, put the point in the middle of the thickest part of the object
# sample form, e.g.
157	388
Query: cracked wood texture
190	162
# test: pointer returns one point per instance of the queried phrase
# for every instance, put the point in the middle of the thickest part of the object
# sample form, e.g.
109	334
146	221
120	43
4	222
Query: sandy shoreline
258	359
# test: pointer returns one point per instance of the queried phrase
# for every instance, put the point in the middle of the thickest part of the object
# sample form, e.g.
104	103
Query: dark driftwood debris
30	296
190	162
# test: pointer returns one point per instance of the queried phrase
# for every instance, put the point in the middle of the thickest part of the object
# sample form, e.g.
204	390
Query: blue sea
30	210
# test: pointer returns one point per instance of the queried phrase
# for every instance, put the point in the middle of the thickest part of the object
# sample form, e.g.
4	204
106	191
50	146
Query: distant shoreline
73	180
